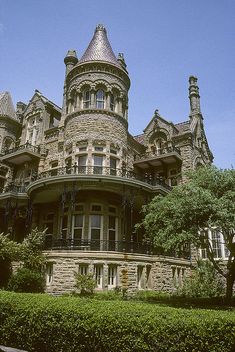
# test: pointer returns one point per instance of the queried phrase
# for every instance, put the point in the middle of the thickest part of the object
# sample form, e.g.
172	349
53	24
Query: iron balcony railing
26	146
157	153
13	188
52	243
83	171
101	171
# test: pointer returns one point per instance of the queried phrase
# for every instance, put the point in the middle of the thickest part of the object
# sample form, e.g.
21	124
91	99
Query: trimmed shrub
70	324
85	283
26	280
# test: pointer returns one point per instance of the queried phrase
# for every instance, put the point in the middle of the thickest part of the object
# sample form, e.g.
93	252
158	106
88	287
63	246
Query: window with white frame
112	276
217	242
77	227
98	164
81	163
64	223
49	273
83	269
95	227
100	99
112	232
140	277
99	275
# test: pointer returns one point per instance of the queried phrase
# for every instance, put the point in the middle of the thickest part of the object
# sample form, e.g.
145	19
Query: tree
28	253
9	251
207	200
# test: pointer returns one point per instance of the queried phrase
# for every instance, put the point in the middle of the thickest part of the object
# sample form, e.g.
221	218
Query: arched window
112	102
100	99
86	99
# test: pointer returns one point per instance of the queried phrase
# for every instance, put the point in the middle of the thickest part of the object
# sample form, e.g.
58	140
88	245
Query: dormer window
100	99
86	99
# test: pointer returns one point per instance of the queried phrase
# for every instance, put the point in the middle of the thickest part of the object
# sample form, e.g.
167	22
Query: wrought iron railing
13	188
52	243
101	171
157	153
26	146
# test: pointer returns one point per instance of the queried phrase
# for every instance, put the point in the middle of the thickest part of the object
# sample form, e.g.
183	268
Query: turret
70	60
194	96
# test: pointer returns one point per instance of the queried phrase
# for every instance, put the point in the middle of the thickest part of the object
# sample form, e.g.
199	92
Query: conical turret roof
99	48
6	105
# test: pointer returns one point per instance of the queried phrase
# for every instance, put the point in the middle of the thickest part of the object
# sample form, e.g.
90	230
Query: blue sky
164	42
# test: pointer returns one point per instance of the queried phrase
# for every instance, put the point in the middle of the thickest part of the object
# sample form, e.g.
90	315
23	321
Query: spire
99	48
194	96
6	105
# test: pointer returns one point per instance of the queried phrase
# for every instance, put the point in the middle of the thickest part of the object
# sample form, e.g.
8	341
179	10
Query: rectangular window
99	149
113	151
49	273
83	269
79	207
86	99
113	166
99	275
96	207
77	229
82	160
48	223
64	225
82	149
54	165
140	277
98	164
112	276
216	243
112	233
95	231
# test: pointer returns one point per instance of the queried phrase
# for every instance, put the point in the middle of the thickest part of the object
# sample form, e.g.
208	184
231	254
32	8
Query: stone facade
77	172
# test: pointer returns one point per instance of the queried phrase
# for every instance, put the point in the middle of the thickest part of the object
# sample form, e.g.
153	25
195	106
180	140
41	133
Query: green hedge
41	323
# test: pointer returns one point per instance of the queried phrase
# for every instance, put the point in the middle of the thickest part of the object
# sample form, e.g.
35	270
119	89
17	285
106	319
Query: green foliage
9	250
32	247
206	200
66	324
85	283
27	280
203	283
29	252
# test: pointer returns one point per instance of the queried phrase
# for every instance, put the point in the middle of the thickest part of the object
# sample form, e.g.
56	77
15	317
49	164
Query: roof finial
100	27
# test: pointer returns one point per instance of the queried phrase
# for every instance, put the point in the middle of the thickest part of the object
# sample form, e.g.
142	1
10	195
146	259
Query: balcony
101	172
158	157
108	246
23	153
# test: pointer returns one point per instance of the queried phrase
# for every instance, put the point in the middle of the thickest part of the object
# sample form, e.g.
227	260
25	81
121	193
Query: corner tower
96	97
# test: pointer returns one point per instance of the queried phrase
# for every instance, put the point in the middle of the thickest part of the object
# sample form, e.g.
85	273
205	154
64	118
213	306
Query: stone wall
133	271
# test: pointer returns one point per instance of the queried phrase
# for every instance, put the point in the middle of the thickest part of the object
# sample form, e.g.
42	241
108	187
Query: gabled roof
6	105
100	49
